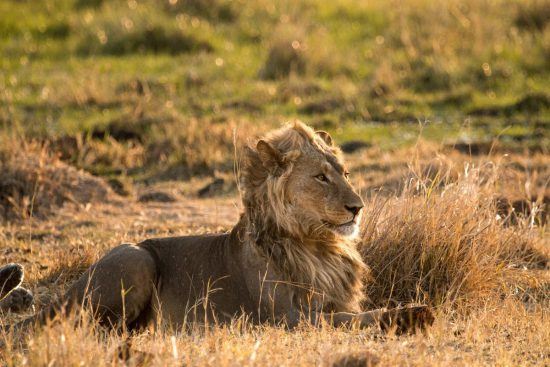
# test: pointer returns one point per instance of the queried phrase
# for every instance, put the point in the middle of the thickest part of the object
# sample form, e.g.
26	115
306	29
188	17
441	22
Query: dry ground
504	324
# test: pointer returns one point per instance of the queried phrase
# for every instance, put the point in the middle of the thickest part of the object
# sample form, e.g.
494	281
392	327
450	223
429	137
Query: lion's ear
325	136
271	158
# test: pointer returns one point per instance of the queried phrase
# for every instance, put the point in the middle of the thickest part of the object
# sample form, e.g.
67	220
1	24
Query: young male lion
290	257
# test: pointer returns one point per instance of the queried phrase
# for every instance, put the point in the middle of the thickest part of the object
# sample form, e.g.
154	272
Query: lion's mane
325	264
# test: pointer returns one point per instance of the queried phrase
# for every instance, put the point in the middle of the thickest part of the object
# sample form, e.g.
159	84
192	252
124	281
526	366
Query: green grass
367	71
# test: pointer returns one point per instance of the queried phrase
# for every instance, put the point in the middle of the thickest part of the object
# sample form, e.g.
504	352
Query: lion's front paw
19	300
407	319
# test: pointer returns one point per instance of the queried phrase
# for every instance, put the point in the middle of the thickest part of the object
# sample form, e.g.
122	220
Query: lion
290	258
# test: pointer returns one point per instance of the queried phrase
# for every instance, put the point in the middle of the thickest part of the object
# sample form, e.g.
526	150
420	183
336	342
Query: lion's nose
354	209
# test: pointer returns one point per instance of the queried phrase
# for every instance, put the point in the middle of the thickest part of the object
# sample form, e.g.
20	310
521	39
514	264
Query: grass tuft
33	182
440	242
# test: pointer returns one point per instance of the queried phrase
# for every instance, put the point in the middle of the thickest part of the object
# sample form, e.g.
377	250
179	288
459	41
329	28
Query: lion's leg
11	276
119	287
361	320
19	300
403	319
337	319
407	319
13	297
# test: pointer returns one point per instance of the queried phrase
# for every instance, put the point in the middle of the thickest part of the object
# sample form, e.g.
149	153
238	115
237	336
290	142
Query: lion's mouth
344	229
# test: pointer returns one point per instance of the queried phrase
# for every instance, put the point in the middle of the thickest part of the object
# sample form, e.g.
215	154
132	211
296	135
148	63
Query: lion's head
297	177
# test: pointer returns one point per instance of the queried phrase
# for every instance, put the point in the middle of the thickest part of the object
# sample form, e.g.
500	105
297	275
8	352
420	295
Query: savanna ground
122	120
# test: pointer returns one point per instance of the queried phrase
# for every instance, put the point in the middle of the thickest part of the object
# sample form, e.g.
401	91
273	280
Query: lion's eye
321	177
346	174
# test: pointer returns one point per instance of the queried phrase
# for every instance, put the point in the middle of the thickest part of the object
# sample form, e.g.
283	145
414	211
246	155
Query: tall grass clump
442	243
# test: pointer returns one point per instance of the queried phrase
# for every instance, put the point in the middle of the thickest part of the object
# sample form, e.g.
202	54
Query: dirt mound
33	182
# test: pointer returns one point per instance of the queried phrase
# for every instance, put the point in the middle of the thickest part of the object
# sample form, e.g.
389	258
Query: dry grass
502	334
441	241
438	241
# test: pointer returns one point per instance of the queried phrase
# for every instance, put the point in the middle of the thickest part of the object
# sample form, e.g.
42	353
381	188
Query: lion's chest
331	282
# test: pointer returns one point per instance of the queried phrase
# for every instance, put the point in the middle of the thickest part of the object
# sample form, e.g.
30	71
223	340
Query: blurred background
153	90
